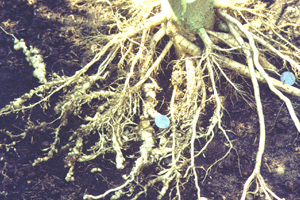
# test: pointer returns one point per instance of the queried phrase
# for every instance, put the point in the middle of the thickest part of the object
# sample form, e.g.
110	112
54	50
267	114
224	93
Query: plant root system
117	101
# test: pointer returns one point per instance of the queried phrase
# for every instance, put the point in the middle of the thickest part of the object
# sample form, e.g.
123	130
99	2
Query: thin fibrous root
157	37
262	71
113	45
252	59
244	70
294	64
240	68
146	133
154	66
225	38
262	138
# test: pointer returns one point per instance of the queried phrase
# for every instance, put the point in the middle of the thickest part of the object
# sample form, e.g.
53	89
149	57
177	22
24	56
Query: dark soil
60	28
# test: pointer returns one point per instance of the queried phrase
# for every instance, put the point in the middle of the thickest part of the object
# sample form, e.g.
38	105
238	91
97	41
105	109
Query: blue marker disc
288	78
162	121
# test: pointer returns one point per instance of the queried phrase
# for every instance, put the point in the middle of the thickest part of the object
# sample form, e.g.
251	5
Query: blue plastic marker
162	121
288	78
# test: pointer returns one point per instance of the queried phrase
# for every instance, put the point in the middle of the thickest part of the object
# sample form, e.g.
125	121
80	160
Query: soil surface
61	30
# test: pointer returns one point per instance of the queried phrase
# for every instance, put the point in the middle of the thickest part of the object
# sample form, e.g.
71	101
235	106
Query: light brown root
252	59
261	70
146	133
240	68
113	45
154	66
225	38
244	70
